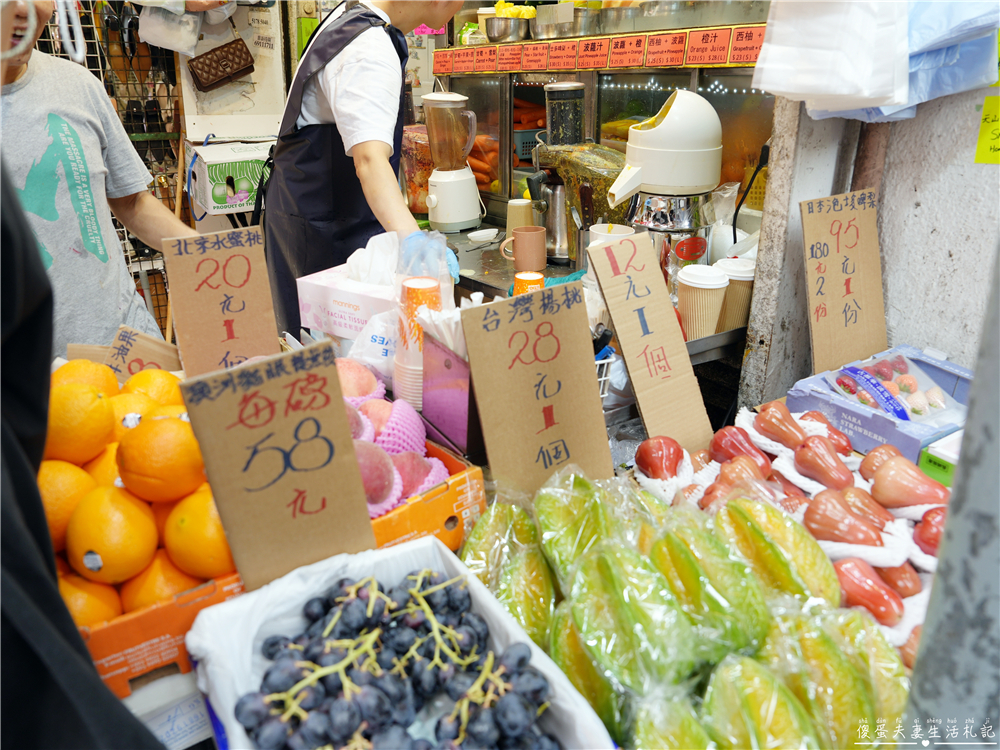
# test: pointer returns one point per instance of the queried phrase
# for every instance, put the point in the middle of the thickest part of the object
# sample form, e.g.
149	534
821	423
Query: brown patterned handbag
221	65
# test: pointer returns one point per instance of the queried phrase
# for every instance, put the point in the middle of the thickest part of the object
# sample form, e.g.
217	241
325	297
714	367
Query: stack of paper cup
408	368
700	294
736	306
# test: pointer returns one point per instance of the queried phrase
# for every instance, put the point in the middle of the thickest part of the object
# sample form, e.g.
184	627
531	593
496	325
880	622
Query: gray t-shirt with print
65	152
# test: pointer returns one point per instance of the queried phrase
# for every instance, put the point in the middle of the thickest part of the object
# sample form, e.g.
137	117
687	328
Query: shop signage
133	351
222	299
509	58
653	348
464	60
562	55
844	278
533	371
746	45
486	59
665	50
535	56
593	53
443	62
280	459
627	51
708	47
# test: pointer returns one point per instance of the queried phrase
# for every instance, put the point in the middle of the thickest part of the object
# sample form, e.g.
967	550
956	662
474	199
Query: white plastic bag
160	27
375	263
375	346
226	639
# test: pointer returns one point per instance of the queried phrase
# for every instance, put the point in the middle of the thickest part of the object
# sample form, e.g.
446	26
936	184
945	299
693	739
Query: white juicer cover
677	152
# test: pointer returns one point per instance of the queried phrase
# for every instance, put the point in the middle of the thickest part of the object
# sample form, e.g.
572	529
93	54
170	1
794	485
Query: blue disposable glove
421	254
452	263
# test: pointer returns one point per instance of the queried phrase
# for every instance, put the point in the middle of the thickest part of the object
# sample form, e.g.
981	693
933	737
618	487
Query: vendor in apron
334	182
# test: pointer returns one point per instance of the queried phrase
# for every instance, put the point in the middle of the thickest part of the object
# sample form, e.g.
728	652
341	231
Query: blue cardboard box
867	428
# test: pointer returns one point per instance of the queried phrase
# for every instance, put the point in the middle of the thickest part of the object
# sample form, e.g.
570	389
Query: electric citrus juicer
673	162
452	194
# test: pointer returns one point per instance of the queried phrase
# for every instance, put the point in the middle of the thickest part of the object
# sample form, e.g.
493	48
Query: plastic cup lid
737	269
518	202
703	277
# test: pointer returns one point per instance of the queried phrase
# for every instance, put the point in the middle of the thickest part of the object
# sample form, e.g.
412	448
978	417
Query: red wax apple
840	441
861	586
777	423
875	458
899	482
829	519
927	533
658	457
730	442
817	459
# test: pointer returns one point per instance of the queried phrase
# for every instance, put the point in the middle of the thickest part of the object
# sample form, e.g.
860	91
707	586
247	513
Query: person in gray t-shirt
72	165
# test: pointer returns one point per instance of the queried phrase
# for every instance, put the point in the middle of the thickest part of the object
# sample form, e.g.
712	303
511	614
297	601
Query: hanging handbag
221	65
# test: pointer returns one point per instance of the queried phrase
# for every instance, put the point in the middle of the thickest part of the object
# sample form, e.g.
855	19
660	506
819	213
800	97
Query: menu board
593	53
844	278
708	47
486	59
443	62
665	50
464	60
746	45
627	52
535	56
509	57
562	55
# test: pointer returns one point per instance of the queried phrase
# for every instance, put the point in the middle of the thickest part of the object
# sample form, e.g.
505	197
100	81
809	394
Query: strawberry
883	369
848	384
867	399
871	371
898	363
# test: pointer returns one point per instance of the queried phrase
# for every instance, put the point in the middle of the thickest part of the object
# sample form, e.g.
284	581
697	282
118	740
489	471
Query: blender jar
451	129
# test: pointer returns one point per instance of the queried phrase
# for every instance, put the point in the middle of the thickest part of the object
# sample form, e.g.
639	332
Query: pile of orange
131	515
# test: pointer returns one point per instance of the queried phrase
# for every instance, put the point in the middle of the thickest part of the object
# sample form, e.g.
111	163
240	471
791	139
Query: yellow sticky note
988	143
998	59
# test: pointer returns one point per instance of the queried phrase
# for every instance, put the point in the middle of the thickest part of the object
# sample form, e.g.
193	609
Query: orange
131	404
161	386
161	512
88	373
111	535
81	423
195	539
160	460
104	468
89	603
174	410
161	580
61	485
62	567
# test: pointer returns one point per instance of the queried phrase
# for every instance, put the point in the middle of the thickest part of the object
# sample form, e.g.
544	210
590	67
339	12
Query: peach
354	421
376	471
378	410
355	379
413	468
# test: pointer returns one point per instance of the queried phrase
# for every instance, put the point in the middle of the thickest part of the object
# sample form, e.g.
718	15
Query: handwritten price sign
280	459
844	278
222	299
536	386
133	351
656	357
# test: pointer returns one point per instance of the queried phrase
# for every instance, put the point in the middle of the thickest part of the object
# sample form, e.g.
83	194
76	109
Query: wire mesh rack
141	81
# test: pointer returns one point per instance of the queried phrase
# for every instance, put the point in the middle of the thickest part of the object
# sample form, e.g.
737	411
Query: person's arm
381	187
148	219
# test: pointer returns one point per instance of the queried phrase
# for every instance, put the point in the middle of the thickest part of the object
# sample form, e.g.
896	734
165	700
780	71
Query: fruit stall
660	496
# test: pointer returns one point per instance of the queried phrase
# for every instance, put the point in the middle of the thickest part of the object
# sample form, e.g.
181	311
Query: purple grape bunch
372	657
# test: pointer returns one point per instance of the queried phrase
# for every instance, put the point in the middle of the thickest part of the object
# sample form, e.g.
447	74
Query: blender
452	193
673	162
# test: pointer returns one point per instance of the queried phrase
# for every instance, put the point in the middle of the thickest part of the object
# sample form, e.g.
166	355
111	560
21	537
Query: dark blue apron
316	214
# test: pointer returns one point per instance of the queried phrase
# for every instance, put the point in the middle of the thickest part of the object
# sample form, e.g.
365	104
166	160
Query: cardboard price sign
280	459
92	352
843	278
133	350
653	348
222	299
532	361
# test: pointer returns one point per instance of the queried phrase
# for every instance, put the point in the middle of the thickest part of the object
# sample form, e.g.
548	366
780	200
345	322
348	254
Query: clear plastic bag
666	720
179	33
375	346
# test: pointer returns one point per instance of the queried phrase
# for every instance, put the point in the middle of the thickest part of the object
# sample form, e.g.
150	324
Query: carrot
517	162
524	104
532	115
525	126
482	179
541	123
487	143
478	165
493	158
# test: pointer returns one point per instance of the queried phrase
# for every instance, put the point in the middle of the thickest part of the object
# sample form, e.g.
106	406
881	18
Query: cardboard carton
331	302
225	176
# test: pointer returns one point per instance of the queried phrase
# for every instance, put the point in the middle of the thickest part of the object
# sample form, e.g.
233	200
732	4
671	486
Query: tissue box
331	302
225	176
867	428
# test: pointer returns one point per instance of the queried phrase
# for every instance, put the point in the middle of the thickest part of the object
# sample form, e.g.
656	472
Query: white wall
939	228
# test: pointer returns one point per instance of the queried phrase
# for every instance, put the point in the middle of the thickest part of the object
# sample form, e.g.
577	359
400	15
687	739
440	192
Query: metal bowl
551	30
614	20
506	29
586	21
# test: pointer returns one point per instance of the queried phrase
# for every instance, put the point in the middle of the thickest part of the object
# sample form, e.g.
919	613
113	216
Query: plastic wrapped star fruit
746	706
629	620
781	552
503	551
857	635
811	664
717	591
665	720
568	651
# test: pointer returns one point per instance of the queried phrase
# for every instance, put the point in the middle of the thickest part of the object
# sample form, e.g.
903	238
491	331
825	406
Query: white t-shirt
358	90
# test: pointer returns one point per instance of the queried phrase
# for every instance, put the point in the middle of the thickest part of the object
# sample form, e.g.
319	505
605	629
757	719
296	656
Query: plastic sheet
666	720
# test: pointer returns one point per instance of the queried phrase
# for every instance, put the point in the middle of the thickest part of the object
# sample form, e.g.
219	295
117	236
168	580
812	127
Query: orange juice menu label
486	59
443	62
627	52
562	55
509	57
593	53
746	45
664	50
708	47
465	61
535	56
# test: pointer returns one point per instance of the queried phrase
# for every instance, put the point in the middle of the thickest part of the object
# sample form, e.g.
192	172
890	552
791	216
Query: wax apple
864	505
700	459
875	458
777	423
908	651
658	457
840	441
829	519
899	483
738	469
730	442
927	533
862	587
790	489
902	579
817	459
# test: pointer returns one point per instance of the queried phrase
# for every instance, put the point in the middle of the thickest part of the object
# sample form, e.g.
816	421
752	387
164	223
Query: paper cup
608	234
736	305
408	384
519	214
701	291
528	281
416	291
